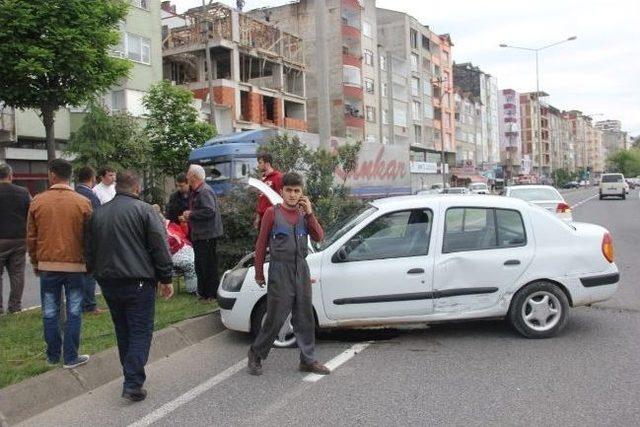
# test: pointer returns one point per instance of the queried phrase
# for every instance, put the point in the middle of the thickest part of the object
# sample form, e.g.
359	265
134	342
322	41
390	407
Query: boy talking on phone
285	229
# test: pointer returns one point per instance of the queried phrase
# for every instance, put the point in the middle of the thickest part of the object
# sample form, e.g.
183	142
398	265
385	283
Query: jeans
88	293
132	307
206	264
12	257
51	285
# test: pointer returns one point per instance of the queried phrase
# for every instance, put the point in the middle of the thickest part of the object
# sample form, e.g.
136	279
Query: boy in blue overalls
286	229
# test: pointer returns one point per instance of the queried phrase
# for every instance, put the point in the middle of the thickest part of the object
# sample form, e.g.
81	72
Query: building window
371	114
428	110
415	86
351	75
142	4
368	57
366	29
413	38
385	89
368	85
414	62
425	42
417	134
446	57
118	101
416	110
426	87
138	48
385	117
383	63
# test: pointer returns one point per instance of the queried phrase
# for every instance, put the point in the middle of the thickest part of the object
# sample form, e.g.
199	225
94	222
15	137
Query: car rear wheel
624	196
285	339
539	310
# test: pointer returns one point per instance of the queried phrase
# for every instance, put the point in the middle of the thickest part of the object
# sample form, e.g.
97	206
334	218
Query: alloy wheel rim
541	311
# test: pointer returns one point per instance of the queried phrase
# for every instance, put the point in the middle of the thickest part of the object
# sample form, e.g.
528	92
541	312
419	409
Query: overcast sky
599	73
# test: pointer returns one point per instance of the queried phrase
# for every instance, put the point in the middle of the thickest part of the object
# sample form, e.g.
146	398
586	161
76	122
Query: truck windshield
612	178
340	228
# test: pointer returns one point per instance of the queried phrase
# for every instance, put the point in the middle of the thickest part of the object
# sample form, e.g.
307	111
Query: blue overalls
289	288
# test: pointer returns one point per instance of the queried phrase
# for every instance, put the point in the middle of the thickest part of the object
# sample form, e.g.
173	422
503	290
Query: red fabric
177	237
291	216
273	180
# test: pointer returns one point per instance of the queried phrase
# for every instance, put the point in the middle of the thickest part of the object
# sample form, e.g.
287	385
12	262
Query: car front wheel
539	310
285	339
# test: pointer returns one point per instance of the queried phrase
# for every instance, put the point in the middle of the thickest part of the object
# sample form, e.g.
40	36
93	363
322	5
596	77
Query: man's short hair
104	170
127	181
86	174
265	157
292	179
61	168
5	171
198	171
181	178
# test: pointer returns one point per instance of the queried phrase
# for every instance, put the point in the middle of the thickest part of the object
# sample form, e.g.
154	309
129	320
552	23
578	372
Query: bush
237	210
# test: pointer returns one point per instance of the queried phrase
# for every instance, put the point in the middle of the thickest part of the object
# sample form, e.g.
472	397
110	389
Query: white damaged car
413	260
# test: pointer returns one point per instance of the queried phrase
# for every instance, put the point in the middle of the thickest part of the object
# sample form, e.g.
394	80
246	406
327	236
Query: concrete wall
29	125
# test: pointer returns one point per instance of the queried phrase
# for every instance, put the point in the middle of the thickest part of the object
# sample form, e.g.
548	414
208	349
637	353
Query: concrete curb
35	395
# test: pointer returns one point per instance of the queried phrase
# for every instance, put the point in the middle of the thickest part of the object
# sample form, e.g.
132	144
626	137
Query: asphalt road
476	373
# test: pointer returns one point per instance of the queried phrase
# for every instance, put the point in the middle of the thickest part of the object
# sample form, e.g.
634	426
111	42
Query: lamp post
537	97
441	81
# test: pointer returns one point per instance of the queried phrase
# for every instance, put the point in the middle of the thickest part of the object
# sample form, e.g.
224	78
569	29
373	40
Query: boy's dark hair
127	181
61	168
265	157
104	169
292	179
181	178
86	174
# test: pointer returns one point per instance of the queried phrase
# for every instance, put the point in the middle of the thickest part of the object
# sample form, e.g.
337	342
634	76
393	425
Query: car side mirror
340	256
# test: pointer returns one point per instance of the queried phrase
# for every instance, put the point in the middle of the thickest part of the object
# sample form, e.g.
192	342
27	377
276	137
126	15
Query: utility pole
212	111
322	68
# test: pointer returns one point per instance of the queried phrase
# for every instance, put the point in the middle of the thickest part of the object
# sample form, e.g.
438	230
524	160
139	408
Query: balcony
354	61
353	114
352	91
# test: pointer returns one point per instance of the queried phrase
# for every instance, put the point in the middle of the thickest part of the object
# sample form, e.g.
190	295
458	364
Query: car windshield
341	227
478	186
456	190
530	194
612	178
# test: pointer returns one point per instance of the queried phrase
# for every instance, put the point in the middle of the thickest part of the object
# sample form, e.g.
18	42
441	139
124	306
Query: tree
625	161
56	53
173	127
116	140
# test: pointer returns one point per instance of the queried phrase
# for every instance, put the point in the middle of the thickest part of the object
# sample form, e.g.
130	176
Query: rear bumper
601	280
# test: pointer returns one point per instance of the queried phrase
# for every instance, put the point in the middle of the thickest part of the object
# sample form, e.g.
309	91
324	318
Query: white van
612	184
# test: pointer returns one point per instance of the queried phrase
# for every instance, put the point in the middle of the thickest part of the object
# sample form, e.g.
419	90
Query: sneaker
254	364
134	394
315	368
80	360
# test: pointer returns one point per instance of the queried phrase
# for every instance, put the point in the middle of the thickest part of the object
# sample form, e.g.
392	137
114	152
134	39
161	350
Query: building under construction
257	70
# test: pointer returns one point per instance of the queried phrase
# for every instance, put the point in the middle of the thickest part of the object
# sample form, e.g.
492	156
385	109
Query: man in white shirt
106	189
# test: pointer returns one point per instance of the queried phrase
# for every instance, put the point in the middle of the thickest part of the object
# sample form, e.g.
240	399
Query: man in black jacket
205	226
127	252
179	200
14	206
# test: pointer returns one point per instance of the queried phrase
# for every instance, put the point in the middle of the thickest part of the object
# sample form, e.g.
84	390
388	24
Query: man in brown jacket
55	234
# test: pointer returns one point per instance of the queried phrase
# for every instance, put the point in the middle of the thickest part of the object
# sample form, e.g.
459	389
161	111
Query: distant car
571	184
479	188
613	184
455	190
544	196
430	191
409	261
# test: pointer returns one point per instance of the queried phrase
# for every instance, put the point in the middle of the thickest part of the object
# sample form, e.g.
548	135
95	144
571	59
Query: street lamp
536	51
441	81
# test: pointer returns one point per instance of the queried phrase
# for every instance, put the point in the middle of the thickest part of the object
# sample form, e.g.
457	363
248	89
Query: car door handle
512	262
416	271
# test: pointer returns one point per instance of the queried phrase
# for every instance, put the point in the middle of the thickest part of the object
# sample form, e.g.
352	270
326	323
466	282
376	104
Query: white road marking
337	361
584	201
187	397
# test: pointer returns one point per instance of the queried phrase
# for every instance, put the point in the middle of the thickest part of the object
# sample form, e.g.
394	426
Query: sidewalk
33	396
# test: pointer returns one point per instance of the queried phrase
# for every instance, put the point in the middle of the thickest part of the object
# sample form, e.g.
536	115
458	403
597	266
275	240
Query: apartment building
417	94
468	134
613	138
589	148
257	69
510	132
535	132
483	86
23	138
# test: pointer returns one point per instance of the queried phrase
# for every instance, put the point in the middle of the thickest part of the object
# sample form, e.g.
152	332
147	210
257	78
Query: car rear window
531	194
612	178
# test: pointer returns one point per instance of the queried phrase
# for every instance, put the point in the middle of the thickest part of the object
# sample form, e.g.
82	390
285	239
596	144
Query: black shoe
315	368
134	394
254	365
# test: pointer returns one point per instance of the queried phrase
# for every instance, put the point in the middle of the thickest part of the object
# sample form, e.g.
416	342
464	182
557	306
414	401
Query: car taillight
607	247
563	208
